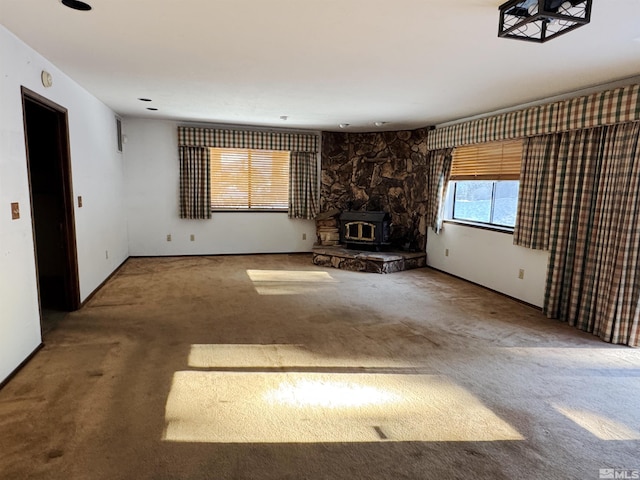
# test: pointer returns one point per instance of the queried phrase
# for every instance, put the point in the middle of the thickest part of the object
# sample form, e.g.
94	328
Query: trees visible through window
247	179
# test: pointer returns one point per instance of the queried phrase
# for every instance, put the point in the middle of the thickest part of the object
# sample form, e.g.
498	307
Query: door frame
72	285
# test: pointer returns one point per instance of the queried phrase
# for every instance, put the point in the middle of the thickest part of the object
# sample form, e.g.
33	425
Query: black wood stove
371	229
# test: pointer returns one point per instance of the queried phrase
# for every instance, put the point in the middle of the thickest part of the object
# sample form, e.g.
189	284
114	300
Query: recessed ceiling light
343	125
379	124
144	99
77	5
152	108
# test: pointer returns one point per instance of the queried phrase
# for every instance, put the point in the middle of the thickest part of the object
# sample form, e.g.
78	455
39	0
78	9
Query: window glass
492	202
472	201
505	203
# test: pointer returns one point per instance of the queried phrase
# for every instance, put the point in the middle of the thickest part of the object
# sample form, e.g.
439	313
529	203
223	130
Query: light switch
15	211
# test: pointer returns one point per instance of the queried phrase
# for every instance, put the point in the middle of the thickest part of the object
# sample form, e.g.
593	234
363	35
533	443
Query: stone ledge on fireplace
364	261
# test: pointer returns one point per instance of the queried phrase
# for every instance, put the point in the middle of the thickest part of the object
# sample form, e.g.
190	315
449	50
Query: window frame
496	161
248	208
449	210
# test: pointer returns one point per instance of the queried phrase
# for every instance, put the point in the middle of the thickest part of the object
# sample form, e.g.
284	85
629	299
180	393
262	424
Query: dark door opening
49	167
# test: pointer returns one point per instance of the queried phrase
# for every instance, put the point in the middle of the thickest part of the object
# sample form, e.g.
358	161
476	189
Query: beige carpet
267	367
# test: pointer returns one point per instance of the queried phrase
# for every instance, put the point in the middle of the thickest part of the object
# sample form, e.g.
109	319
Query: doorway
50	185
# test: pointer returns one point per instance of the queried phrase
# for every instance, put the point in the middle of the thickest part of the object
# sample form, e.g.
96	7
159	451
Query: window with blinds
247	179
487	161
485	183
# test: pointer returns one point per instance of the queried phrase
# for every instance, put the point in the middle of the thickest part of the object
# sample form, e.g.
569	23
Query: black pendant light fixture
542	20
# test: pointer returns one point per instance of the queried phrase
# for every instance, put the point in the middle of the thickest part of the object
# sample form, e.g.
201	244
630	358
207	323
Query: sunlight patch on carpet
328	394
290	282
599	424
248	407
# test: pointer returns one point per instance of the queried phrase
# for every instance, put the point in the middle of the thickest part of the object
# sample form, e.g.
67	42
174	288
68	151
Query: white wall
151	177
489	258
97	176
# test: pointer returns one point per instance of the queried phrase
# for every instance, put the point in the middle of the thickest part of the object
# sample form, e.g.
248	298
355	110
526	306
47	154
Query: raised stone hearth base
364	261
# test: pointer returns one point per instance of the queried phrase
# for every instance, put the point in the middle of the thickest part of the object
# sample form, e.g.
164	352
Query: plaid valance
606	108
603	108
261	140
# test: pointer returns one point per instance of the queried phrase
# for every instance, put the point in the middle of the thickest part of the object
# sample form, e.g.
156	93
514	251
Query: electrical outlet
169	238
304	236
15	211
79	201
193	237
106	254
446	252
521	273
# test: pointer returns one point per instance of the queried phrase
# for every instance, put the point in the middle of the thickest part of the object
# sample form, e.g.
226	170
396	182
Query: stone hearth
365	261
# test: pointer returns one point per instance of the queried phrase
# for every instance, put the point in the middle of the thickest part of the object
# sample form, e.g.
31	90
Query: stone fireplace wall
379	171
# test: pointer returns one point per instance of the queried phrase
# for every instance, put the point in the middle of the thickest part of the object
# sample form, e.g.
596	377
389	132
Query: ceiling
320	63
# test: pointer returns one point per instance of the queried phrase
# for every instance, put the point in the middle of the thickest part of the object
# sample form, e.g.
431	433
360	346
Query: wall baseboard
19	367
531	305
185	255
95	290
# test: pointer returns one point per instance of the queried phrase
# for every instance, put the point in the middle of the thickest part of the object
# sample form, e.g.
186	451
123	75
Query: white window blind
487	161
249	179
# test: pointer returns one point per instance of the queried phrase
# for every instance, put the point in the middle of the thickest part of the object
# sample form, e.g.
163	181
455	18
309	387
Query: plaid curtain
259	140
303	175
598	109
536	193
195	197
538	120
438	171
593	279
303	185
609	107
